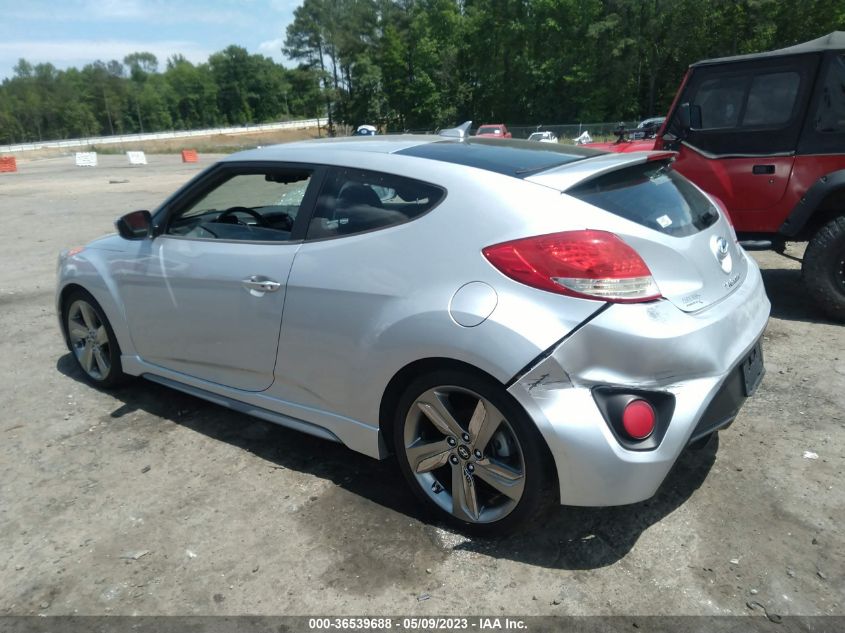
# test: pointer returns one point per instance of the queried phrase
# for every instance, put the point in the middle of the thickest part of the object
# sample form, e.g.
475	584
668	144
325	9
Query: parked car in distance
647	128
493	130
365	130
521	324
543	137
765	134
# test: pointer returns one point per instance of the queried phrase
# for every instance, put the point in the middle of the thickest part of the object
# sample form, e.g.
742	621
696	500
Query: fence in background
564	132
157	136
571	131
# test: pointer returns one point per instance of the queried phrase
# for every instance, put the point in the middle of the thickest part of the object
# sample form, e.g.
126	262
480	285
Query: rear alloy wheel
92	340
823	268
471	454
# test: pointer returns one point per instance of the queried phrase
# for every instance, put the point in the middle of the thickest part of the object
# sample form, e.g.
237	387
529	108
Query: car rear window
651	194
519	159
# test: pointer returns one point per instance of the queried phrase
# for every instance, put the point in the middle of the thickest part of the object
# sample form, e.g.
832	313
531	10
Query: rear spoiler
567	176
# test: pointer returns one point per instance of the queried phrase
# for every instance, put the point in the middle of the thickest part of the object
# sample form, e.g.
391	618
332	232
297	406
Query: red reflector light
590	264
638	419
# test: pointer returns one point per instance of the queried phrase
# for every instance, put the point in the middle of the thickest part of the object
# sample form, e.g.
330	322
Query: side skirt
354	434
248	409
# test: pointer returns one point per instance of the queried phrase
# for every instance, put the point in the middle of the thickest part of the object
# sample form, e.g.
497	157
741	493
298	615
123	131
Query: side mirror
136	225
690	116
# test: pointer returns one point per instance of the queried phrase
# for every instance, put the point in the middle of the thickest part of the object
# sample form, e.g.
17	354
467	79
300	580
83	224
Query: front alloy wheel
470	453
92	340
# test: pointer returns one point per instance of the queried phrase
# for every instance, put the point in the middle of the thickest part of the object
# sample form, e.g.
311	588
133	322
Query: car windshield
489	130
519	159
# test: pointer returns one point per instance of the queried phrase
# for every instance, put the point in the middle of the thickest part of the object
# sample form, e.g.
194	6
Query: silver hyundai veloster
520	324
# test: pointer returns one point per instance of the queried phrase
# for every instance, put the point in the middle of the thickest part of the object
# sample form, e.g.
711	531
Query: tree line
419	64
233	87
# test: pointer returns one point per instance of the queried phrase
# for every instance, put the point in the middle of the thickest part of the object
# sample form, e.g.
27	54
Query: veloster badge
720	247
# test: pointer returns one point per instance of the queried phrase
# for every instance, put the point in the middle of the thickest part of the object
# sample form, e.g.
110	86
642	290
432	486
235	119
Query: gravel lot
147	501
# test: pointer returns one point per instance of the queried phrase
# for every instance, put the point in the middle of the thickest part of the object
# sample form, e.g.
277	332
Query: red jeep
765	133
493	130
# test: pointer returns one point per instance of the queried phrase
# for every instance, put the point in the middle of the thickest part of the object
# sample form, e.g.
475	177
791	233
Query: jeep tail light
590	264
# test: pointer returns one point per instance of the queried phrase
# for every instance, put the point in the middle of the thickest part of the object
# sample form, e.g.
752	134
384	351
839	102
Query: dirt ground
147	501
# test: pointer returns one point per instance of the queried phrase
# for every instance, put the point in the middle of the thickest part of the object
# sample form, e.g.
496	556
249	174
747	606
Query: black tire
109	349
539	489
823	269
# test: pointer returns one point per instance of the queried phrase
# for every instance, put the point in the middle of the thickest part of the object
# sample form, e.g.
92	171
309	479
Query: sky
76	32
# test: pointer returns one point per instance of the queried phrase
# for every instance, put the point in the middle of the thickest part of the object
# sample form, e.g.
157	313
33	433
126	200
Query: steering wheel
231	211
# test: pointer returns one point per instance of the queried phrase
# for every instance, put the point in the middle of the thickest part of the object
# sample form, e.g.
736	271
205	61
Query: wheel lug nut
477	454
465	437
470	467
451	441
454	459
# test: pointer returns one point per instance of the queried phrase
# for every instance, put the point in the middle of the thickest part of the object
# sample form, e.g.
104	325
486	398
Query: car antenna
460	132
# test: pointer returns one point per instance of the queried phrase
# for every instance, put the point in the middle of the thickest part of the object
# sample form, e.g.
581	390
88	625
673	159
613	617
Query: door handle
763	169
261	284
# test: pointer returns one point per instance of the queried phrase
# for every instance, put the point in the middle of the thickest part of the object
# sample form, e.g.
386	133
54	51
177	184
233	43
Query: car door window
721	101
771	99
830	117
260	205
354	201
763	100
748	108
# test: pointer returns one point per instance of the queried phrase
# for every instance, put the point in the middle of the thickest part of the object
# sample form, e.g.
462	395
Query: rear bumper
654	346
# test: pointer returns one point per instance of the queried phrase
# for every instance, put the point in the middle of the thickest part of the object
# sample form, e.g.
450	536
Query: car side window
721	100
260	205
762	100
830	116
771	99
355	201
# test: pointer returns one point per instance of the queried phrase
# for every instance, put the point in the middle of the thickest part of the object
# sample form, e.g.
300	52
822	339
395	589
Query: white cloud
149	11
116	9
285	6
272	47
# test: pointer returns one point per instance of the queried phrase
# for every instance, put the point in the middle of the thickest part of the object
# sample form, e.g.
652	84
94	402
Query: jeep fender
811	201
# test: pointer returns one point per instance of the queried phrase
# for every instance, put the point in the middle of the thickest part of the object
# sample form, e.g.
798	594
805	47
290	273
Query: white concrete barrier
86	159
136	158
302	124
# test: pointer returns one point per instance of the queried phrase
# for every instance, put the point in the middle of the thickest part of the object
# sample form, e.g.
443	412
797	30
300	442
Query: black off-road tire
823	269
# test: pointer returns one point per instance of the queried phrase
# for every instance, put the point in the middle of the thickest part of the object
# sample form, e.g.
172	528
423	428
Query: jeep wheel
823	269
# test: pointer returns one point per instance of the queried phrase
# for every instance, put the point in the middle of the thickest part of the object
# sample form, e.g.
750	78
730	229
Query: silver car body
319	355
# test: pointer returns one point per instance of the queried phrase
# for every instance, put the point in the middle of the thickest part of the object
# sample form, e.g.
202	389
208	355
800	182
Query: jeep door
744	148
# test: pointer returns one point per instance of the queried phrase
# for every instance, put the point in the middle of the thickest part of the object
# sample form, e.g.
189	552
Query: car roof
518	158
830	42
386	144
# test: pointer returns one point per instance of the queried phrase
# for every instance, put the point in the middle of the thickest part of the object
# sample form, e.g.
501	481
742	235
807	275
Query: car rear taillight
589	263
